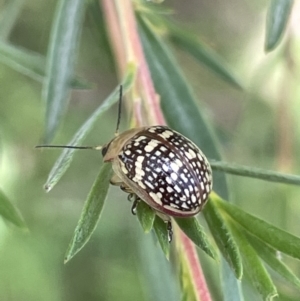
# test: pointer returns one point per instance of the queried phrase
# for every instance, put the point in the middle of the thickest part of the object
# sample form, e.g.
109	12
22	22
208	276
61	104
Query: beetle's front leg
170	231
167	220
132	197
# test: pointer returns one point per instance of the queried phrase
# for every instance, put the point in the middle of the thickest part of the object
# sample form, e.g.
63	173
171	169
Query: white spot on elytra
140	138
169	180
192	153
165	167
149	148
171	155
184	178
174	166
179	163
177	188
193	198
169	189
149	184
174	176
156	197
184	205
166	134
140	159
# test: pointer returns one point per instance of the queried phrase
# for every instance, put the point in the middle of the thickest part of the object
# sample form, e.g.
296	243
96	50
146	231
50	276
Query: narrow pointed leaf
91	212
61	60
22	60
191	43
254	172
154	269
161	232
31	64
271	258
146	216
259	276
8	17
279	239
231	288
277	19
10	213
178	104
192	228
66	157
223	238
177	100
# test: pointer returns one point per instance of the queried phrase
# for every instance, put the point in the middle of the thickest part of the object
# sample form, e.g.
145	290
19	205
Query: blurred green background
256	127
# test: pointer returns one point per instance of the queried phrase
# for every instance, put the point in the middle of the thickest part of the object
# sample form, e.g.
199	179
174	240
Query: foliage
153	79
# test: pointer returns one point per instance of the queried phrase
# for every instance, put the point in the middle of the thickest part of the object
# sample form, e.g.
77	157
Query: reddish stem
200	286
127	47
126	44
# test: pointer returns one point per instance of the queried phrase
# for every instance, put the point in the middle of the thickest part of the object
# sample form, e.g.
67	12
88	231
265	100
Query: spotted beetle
159	166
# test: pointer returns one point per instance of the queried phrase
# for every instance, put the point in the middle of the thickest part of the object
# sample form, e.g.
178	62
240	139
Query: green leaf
154	270
91	212
191	43
192	228
279	239
22	60
231	288
223	238
31	64
146	216
177	99
60	61
259	276
161	232
271	258
8	17
10	213
178	105
277	19
63	162
254	172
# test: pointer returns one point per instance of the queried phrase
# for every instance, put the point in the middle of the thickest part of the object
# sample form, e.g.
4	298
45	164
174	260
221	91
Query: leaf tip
47	187
67	259
271	296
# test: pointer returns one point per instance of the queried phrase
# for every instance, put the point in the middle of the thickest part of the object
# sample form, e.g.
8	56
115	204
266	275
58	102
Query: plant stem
126	44
254	172
190	255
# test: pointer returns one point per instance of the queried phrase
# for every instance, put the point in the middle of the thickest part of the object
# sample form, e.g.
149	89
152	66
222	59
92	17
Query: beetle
159	166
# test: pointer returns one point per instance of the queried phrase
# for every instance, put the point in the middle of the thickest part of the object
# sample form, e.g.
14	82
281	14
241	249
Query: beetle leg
167	220
133	197
126	188
170	231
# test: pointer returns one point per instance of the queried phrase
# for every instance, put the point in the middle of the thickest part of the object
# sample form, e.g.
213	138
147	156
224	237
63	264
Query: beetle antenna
91	147
69	146
119	110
